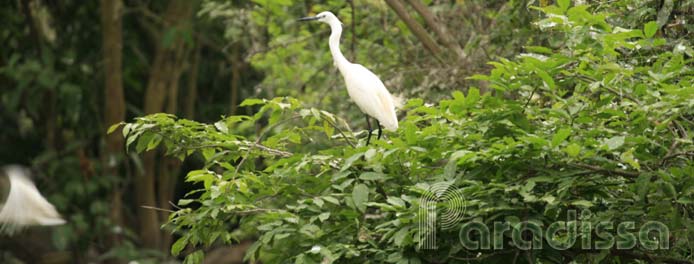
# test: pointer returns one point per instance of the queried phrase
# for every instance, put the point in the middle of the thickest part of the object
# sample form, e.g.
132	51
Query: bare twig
157	209
340	131
175	206
679	132
589	79
527	102
483	256
260	146
605	171
273	151
257	210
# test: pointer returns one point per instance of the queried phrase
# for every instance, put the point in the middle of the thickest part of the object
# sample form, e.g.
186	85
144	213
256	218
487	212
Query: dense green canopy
229	130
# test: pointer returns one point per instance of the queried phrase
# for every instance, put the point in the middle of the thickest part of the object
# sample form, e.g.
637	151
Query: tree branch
439	29
598	169
415	27
276	152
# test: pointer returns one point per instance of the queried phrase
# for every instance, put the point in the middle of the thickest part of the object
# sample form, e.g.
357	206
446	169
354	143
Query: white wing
24	205
369	93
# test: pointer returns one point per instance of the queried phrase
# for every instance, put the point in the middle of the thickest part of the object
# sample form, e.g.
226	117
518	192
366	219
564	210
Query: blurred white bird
363	86
24	205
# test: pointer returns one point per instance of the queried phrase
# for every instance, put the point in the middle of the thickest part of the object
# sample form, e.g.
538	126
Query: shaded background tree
70	69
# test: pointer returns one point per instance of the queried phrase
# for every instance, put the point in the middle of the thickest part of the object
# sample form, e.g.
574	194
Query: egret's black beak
308	18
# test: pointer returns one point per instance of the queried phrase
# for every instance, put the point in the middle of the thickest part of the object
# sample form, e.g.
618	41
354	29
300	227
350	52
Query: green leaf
686	200
207	153
370	154
549	82
650	28
395	201
473	97
550	199
564	4
350	160
560	136
643	185
184	202
401	236
573	150
628	157
156	139
199	175
582	203
252	101
668	189
318	201
114	127
360	196
539	49
301	259
615	142
458	95
143	141
221	126
311	230
328	129
194	258
179	245
372	176
324	216
331	200
252	250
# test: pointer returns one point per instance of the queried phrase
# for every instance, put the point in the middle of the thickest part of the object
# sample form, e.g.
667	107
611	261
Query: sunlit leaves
560	136
650	28
614	142
360	195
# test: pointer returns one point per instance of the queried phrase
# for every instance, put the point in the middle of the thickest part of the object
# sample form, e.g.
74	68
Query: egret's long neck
334	42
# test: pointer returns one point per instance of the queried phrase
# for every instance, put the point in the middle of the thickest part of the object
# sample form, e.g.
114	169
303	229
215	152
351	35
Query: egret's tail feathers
24	205
398	101
391	123
392	127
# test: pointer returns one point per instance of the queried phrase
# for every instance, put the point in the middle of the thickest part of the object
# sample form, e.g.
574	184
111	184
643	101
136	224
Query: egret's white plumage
363	86
24	205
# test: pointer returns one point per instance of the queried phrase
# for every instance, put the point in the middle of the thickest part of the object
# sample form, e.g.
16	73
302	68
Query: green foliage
52	111
601	120
296	62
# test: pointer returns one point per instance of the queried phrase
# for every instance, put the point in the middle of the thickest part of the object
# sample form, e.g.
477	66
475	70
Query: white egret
363	86
24	205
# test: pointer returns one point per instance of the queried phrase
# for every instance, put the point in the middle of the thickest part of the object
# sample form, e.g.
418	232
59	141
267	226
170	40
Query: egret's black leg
379	129
368	125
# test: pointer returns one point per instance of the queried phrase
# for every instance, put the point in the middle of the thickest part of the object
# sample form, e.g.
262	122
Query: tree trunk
114	101
164	73
169	166
353	46
192	87
236	65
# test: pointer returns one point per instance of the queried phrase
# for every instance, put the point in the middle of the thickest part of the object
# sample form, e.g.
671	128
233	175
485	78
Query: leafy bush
600	120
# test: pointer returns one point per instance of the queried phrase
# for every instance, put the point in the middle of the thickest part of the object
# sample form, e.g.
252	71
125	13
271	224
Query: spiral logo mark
452	208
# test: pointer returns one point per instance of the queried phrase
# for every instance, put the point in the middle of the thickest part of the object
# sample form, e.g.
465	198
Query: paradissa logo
443	203
562	235
443	208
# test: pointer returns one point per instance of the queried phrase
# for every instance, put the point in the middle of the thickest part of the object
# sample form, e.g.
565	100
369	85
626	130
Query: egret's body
24	205
363	86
